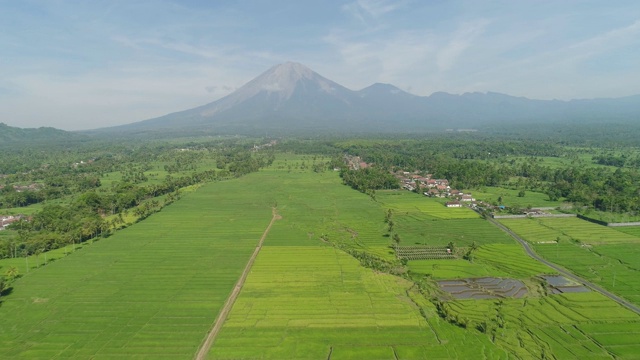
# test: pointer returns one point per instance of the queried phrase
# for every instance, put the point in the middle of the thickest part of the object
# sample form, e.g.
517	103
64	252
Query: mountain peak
284	77
292	69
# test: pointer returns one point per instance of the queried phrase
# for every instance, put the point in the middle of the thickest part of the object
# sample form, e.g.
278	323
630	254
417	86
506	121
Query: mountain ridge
291	96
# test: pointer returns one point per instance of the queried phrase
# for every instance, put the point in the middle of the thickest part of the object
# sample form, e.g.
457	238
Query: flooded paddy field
558	284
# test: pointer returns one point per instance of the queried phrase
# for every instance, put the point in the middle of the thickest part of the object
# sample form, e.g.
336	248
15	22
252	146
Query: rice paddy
154	289
598	253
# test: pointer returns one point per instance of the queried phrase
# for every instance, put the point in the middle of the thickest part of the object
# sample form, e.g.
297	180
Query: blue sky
88	64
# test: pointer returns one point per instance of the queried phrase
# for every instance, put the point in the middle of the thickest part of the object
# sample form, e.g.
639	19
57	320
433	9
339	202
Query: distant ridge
10	134
290	97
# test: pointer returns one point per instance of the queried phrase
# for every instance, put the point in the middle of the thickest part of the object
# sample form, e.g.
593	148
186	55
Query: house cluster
434	188
269	144
355	162
6	220
82	163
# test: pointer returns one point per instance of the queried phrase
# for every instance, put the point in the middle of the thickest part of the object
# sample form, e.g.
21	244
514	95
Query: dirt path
224	312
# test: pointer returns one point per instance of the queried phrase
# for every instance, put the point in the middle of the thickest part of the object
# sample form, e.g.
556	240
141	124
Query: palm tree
12	272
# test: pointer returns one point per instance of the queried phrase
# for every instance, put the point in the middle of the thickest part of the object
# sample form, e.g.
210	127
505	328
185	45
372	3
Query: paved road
565	272
222	316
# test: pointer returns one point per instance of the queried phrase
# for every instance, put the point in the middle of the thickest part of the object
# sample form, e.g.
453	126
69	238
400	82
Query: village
6	220
426	185
438	188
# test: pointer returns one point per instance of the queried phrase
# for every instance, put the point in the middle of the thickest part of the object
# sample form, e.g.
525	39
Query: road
224	312
566	273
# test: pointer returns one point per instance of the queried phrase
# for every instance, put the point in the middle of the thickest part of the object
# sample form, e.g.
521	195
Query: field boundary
228	305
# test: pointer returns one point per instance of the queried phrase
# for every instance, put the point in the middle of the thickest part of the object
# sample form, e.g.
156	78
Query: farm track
565	272
228	305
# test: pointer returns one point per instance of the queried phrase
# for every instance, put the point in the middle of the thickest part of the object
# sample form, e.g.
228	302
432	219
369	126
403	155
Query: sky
77	65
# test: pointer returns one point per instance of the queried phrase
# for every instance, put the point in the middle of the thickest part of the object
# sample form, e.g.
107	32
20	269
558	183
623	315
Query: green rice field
571	229
154	289
407	202
510	197
601	254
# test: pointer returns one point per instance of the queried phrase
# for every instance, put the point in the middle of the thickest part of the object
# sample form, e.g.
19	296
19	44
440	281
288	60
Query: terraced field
600	254
539	327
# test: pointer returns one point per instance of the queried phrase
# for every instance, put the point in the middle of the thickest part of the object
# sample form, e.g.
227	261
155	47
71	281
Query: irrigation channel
228	305
564	271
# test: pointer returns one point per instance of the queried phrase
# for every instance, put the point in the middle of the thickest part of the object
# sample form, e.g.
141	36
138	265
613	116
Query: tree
388	215
12	273
451	246
396	239
390	226
521	193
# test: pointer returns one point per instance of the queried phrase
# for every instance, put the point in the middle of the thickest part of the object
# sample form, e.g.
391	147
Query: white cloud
366	9
459	42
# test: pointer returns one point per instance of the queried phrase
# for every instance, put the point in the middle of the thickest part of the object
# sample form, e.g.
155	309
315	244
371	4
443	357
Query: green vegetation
600	254
150	290
151	238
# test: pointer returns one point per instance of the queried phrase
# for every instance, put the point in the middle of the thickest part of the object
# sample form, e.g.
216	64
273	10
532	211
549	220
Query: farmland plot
408	202
152	290
300	302
612	262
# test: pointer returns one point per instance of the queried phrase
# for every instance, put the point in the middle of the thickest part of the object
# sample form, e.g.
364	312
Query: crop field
453	269
621	338
510	197
551	324
613	261
631	230
300	302
491	260
152	290
574	229
512	259
408	202
587	232
417	230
